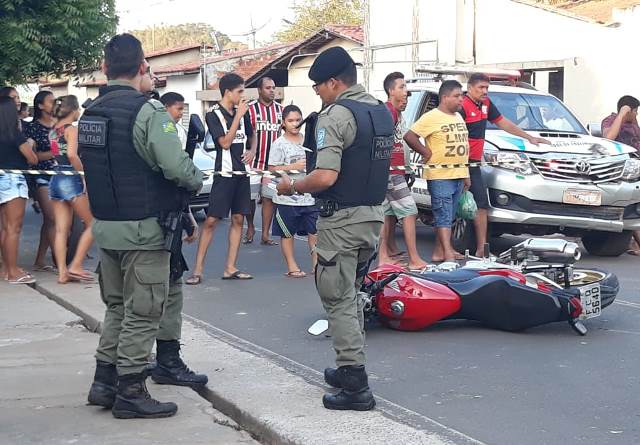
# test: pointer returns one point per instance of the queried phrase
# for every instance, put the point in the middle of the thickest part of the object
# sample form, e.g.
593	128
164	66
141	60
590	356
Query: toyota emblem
583	167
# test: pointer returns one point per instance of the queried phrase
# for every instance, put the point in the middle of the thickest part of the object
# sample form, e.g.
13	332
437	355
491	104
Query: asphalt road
544	386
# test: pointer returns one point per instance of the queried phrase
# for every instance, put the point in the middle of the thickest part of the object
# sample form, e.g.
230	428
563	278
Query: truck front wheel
607	243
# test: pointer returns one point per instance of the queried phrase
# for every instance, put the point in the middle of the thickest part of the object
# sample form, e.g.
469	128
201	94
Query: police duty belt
280	173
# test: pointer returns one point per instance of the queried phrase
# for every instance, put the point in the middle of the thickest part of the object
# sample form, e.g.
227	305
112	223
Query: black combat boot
355	393
103	388
134	401
331	377
171	370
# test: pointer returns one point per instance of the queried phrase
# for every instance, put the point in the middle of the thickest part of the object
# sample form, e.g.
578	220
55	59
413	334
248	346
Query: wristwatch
293	187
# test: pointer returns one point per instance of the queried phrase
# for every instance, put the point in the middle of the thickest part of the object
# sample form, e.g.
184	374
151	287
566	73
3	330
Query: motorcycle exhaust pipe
556	247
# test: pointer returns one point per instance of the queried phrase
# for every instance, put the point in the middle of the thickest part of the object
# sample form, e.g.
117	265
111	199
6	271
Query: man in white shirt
174	103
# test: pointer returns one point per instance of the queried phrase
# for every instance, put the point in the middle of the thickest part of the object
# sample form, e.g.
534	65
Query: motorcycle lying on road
512	292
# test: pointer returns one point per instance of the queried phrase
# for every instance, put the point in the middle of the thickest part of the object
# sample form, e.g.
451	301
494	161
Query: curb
91	323
275	399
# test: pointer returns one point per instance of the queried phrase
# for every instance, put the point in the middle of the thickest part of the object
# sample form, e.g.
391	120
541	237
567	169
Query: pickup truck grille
523	204
579	169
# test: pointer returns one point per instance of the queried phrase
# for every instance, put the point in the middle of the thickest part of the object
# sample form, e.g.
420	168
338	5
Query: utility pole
366	56
415	37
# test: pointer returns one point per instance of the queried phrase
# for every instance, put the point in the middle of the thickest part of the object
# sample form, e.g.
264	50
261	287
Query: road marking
387	407
628	304
620	331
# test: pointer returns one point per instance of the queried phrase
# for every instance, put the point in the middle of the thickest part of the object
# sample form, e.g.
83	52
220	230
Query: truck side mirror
595	129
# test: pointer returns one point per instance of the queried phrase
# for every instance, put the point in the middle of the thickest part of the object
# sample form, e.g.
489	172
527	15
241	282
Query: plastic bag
467	207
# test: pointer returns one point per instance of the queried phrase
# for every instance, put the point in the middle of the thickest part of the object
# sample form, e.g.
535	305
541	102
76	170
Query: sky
223	15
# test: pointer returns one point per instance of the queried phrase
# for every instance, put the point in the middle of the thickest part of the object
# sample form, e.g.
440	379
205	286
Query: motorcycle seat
447	278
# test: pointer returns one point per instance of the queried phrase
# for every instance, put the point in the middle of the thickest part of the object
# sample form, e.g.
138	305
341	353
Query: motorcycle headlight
631	170
508	160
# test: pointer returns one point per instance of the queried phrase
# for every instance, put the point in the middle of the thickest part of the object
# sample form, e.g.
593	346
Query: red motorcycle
512	292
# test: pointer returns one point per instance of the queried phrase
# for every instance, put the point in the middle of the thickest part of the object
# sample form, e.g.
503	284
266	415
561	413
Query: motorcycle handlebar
379	285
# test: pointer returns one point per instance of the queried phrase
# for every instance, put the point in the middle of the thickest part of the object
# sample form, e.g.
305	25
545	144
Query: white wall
300	89
187	86
508	31
391	22
597	71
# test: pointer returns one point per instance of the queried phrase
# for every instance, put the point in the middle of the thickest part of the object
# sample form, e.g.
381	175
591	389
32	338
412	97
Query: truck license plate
591	301
582	197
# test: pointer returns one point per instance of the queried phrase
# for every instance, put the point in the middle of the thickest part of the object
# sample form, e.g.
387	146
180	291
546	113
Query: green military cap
330	63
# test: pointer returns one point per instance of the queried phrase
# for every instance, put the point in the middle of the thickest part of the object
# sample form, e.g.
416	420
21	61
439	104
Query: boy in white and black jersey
266	120
231	130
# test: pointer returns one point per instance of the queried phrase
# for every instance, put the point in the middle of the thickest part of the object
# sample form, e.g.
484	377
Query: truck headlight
509	160
631	170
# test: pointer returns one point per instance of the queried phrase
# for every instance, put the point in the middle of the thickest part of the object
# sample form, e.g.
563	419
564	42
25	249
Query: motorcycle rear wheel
609	284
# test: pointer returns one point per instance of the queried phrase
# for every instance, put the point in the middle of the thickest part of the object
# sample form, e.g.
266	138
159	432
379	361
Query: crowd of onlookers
261	135
47	142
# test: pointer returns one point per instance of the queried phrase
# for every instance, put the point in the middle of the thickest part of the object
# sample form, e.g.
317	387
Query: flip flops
238	275
268	242
45	268
23	279
247	240
193	280
80	277
295	274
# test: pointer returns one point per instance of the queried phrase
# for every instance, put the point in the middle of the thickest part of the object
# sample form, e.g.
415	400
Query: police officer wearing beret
354	136
135	169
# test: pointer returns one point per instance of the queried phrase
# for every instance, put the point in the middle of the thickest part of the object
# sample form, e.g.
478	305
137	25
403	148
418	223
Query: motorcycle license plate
582	197
591	301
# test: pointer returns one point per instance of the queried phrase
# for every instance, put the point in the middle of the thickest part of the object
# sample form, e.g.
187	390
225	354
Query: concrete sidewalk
46	368
276	401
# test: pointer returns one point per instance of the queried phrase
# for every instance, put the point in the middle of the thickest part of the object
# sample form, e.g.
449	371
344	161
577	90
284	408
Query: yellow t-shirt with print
447	137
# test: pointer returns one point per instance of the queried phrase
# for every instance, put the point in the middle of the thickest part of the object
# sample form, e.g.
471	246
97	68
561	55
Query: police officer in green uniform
354	136
134	171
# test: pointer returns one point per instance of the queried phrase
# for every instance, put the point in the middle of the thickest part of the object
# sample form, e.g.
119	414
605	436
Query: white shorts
12	186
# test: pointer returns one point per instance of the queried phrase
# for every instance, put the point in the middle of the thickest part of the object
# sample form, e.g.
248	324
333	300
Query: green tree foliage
170	36
52	36
312	15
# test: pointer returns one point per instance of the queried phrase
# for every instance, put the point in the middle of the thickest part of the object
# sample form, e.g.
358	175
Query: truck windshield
536	112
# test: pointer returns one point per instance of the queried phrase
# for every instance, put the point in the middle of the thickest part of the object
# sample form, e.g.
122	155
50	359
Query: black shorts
478	188
229	195
295	220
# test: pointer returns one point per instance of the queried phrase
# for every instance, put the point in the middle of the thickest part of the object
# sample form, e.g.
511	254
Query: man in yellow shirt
446	142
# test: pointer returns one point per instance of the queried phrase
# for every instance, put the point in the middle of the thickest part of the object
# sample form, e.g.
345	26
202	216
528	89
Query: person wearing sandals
67	193
38	130
297	214
230	127
16	152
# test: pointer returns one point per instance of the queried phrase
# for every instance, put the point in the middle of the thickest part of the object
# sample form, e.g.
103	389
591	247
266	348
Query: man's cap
330	63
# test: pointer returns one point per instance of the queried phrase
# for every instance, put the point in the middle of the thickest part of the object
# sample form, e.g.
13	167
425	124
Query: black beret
330	63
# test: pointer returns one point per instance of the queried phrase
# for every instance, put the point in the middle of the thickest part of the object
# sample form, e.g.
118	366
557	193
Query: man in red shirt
398	203
477	109
266	119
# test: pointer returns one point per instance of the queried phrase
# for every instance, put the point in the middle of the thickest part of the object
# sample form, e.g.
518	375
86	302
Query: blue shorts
295	220
444	200
65	188
12	186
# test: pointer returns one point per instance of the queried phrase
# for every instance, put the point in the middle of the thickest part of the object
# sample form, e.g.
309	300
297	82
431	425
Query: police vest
120	184
364	170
